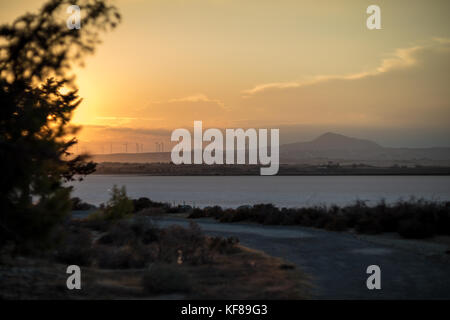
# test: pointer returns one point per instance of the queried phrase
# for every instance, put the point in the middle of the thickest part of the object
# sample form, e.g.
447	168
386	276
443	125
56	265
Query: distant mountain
333	141
339	148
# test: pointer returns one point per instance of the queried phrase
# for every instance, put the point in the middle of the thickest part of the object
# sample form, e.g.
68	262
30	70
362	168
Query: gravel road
337	262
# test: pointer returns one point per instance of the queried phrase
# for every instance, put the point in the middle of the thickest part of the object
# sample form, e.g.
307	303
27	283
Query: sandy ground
337	262
217	270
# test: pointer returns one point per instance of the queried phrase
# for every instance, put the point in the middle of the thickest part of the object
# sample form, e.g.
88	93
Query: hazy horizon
119	148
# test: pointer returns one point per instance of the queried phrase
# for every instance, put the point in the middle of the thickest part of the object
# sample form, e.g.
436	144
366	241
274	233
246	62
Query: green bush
145	203
78	204
145	230
119	234
117	208
139	230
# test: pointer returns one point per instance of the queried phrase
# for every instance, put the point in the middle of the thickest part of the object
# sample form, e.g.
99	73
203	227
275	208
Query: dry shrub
76	248
166	278
126	257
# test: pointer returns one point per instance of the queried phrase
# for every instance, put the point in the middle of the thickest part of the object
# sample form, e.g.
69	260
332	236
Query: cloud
407	89
183	111
402	58
197	98
121	121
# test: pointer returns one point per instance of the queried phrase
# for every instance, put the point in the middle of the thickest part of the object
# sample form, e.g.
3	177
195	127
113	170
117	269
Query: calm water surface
283	191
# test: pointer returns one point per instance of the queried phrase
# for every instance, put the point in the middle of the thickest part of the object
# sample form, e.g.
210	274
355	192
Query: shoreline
332	169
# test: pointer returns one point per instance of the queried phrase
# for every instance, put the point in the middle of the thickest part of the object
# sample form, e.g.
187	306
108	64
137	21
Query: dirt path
338	261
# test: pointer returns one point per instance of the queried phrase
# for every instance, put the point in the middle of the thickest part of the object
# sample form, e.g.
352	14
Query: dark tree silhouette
37	52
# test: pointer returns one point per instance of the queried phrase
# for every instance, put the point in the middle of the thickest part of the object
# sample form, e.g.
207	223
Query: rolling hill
327	147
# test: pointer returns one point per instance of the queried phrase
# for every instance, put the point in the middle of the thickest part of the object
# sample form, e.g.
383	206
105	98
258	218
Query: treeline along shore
414	219
329	168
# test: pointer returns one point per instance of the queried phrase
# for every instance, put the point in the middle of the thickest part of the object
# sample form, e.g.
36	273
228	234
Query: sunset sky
306	67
